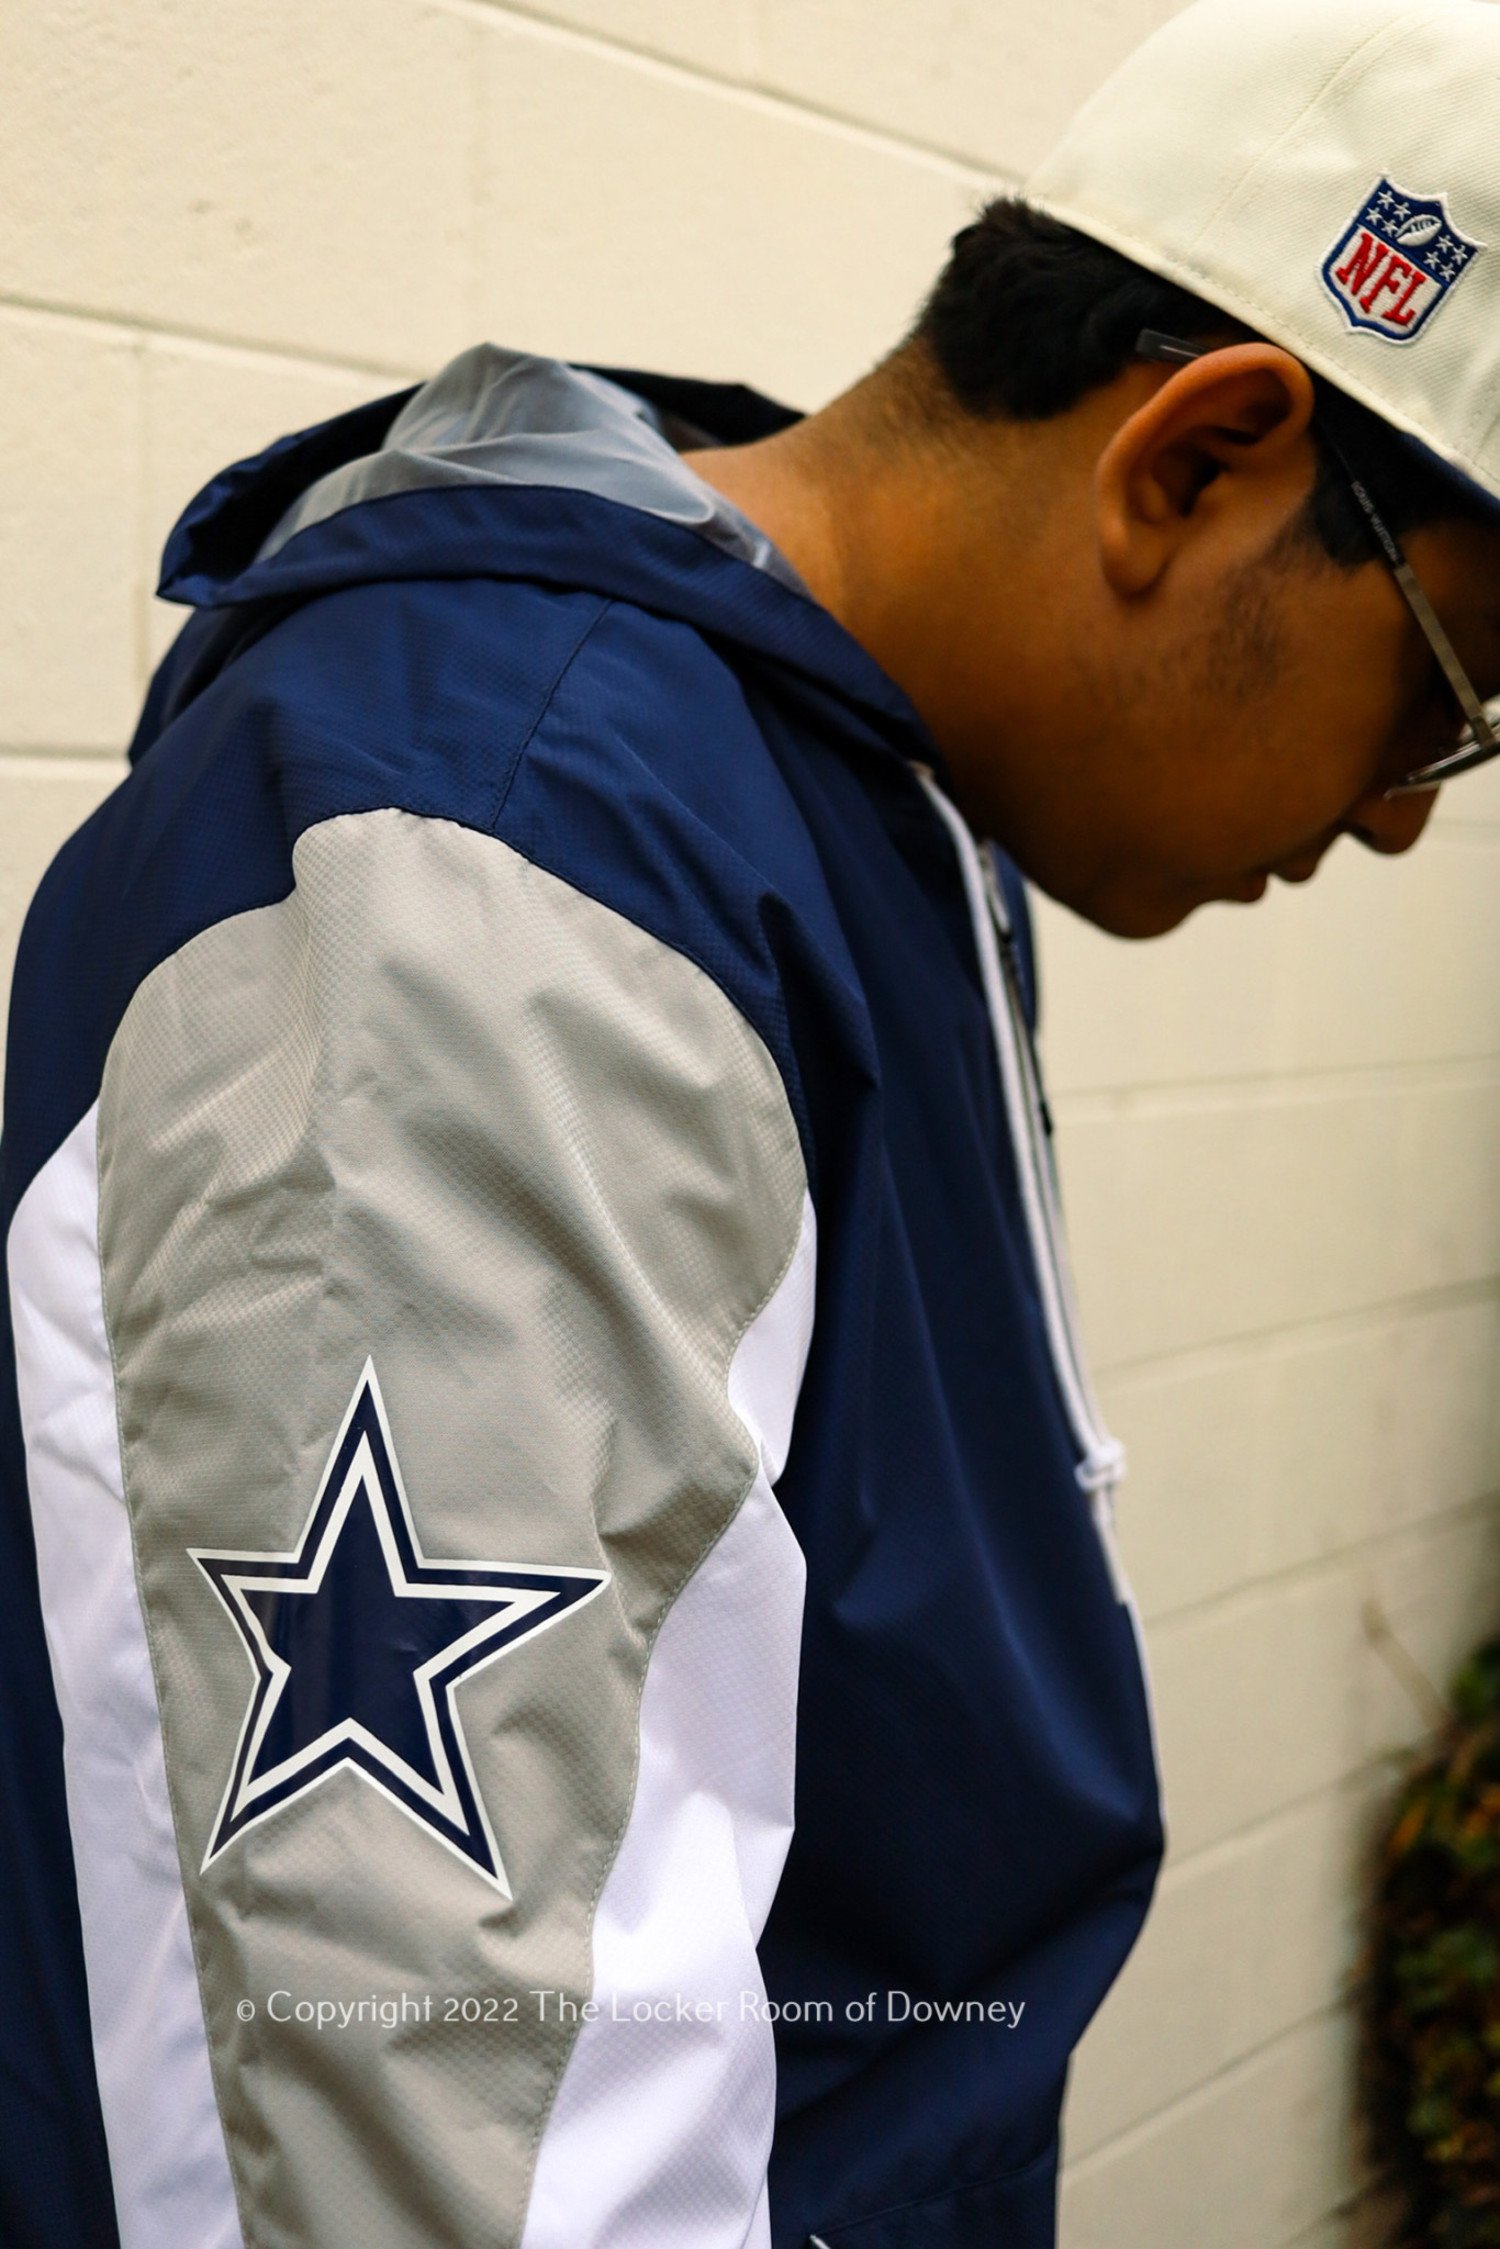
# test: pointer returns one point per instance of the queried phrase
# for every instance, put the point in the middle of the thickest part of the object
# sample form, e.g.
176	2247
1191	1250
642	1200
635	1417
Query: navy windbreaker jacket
565	1681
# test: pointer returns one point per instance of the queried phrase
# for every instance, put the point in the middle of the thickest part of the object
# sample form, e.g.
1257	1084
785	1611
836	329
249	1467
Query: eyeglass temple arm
1152	344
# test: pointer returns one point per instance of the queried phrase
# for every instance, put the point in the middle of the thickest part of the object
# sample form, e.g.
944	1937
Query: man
587	1696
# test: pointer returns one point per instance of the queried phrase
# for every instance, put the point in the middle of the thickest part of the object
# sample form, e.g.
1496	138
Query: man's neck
907	545
777	482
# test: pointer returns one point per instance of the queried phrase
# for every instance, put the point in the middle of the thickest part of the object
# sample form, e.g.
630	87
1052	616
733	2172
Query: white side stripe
166	2145
661	2131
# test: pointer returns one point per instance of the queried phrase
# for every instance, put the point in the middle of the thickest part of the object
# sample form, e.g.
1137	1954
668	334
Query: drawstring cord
1103	1461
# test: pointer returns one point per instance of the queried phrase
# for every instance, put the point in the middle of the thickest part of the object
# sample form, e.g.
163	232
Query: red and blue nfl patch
1396	263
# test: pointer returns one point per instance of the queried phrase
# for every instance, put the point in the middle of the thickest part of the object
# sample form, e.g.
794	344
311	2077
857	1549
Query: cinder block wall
1278	1128
1280	1151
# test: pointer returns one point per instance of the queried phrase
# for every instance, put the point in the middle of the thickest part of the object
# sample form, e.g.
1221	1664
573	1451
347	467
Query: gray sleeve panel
438	1109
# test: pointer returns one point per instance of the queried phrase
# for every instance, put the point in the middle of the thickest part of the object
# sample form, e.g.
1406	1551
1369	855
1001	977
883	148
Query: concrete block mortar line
1384	1768
1240	2065
46	761
1290	1577
145	572
1361	1797
1319	1569
1198	2095
1297	1087
474	171
960	164
1251	1344
129	326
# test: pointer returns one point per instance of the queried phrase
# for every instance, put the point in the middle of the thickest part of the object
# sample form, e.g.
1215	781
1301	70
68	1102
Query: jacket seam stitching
213	2050
951	2194
669	1603
605	606
797	1104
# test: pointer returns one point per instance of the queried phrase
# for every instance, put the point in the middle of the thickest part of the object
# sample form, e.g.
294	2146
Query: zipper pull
1010	955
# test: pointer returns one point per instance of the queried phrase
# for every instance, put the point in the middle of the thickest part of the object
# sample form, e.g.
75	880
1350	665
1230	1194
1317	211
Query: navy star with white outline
357	1643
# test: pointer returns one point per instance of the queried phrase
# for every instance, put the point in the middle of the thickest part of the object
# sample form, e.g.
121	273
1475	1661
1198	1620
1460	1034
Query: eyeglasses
1479	740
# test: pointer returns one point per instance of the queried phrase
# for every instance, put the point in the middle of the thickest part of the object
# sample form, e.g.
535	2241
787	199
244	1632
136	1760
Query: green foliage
1434	1987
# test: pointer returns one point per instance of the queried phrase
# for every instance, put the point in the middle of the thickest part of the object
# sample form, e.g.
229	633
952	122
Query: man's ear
1238	413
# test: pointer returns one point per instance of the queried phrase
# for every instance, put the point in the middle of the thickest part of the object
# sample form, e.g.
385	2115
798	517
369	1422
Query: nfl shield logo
1397	261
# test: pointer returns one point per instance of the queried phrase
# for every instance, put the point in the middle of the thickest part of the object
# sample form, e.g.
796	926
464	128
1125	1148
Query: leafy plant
1433	1991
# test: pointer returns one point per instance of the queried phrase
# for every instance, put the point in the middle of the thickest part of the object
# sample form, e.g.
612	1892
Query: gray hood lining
511	418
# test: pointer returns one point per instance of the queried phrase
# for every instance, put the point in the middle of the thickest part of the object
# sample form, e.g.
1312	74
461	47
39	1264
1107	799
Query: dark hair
1028	316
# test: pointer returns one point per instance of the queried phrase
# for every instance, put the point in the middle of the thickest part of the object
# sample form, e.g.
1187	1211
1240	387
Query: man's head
1135	601
1217	674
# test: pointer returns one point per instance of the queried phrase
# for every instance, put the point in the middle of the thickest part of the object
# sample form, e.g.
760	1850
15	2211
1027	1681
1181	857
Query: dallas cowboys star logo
357	1643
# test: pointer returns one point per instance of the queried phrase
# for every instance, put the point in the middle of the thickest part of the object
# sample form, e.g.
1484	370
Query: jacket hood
509	420
510	465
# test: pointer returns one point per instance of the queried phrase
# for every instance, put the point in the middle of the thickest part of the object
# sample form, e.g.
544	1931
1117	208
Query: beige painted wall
1278	1128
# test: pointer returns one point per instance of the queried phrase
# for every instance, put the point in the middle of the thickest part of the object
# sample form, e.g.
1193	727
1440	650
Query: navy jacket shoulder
707	754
